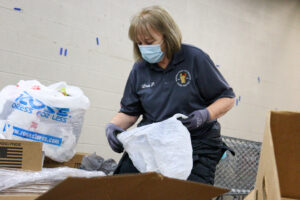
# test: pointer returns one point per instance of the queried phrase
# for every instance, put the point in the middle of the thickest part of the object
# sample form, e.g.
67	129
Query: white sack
32	111
164	147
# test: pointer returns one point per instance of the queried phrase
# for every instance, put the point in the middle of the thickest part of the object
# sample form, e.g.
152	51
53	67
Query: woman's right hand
111	131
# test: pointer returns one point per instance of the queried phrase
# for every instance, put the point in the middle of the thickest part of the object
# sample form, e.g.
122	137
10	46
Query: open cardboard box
75	162
148	186
121	187
278	175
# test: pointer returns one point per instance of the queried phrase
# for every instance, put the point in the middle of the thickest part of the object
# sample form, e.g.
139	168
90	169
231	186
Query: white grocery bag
164	147
52	115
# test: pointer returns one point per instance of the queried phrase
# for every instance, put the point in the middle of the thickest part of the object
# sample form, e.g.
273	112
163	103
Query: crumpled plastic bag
52	115
164	147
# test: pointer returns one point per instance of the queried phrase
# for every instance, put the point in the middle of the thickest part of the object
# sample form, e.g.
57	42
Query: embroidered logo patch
183	78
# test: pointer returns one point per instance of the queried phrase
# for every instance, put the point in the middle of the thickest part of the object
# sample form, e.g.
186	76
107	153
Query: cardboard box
18	197
148	186
21	155
278	175
252	195
75	162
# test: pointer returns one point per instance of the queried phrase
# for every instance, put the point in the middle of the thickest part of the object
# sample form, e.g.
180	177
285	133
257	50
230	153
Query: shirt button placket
165	80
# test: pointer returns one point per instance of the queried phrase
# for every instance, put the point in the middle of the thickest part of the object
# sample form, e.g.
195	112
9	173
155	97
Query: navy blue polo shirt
190	82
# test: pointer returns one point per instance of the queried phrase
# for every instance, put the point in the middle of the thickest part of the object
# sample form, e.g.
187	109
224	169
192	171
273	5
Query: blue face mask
151	53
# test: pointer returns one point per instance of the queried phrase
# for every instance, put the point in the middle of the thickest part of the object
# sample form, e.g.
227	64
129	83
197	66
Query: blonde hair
158	19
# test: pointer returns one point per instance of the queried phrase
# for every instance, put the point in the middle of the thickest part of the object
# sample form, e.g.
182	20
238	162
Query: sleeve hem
130	113
222	96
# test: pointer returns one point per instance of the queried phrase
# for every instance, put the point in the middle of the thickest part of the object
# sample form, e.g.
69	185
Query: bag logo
26	103
183	78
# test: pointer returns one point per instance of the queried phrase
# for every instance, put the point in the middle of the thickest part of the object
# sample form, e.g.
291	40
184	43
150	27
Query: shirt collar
177	58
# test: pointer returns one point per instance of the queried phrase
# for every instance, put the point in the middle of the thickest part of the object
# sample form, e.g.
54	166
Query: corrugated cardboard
21	155
18	197
279	167
149	186
252	195
75	162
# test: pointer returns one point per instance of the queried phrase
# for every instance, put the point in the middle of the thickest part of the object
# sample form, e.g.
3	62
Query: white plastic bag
164	147
13	178
52	115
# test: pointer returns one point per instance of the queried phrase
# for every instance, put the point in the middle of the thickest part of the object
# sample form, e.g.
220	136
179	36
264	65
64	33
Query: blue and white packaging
52	115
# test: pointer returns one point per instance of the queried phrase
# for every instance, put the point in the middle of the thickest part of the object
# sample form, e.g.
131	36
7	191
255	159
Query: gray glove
196	119
111	131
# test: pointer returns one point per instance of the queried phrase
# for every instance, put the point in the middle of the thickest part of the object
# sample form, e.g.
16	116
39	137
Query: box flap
252	195
285	129
148	186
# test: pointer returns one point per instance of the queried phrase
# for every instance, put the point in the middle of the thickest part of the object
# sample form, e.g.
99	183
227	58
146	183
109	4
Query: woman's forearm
123	120
220	107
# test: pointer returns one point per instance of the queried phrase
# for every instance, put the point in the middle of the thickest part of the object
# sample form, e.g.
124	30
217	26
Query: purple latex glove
196	119
111	131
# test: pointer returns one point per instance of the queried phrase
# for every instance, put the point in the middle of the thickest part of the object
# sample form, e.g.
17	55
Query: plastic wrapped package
164	147
52	115
13	178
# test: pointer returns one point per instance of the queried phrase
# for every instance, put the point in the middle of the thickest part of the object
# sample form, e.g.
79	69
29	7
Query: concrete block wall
85	43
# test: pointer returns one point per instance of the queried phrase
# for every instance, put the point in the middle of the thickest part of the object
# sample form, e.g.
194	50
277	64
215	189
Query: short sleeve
130	102
210	81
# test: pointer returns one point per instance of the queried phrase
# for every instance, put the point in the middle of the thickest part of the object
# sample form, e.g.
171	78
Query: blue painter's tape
97	39
17	9
4	128
61	51
37	136
66	50
237	102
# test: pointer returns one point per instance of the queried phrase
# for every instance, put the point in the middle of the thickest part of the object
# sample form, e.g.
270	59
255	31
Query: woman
169	78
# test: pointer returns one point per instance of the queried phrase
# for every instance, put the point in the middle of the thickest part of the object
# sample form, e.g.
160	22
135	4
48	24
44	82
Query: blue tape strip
239	98
97	39
4	128
66	50
61	51
17	9
236	101
37	136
